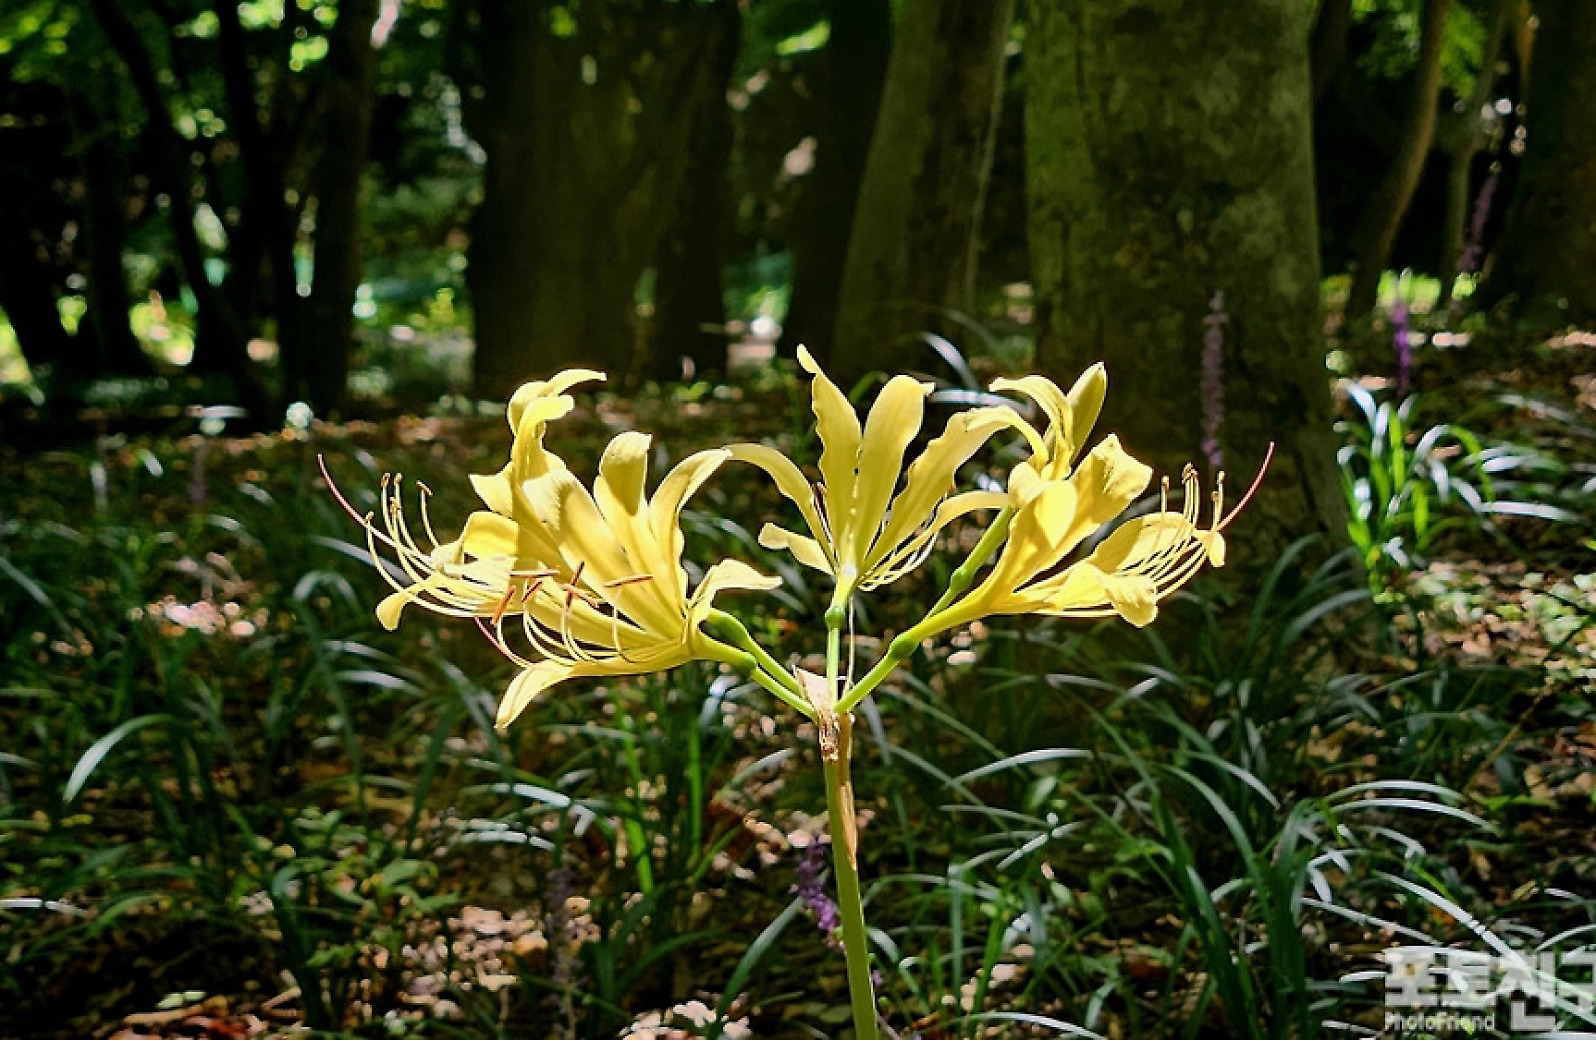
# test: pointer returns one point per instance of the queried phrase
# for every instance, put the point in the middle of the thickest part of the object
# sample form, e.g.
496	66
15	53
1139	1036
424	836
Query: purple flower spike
1403	345
1469	262
1213	380
811	887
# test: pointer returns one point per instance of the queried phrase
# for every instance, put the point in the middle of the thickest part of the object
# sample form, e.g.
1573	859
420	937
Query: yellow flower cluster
593	581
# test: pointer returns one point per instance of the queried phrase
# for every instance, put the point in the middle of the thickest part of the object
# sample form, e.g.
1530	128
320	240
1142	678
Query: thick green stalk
845	864
836	754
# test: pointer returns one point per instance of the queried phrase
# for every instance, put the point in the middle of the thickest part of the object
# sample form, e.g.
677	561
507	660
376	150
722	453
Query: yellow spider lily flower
1140	563
859	532
593	581
1070	416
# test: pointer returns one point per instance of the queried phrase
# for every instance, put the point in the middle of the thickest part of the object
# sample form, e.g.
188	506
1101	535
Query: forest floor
211	580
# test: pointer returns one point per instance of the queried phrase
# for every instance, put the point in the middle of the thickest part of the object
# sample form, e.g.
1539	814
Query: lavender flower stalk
1213	381
811	887
1402	344
1469	262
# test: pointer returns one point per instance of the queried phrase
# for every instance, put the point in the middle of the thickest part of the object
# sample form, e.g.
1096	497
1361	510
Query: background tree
583	153
1388	204
852	74
1548	249
66	175
1462	134
689	286
916	229
1170	160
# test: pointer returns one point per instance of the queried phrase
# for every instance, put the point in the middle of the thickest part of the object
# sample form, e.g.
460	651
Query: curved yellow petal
1107	481
931	474
894	421
495	490
1214	543
1037	538
577	527
1141	539
554	386
1070	416
805	550
487	535
1086	403
391	607
529	459
726	576
665	513
904	557
1088	591
620	494
837	424
790	481
528	686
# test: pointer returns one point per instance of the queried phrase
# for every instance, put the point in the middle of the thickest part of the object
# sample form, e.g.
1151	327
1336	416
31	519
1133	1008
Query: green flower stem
963	575
737	633
845	864
959	582
843	823
776	689
747	664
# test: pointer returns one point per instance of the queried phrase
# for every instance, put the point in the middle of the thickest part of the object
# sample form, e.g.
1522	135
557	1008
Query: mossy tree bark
1548	248
912	257
585	142
1169	159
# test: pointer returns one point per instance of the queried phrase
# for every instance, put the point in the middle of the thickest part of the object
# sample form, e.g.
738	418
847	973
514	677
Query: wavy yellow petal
894	422
496	490
585	540
805	550
931	474
487	535
789	480
554	386
895	565
528	686
1107	481
665	511
1036	538
837	424
1086	590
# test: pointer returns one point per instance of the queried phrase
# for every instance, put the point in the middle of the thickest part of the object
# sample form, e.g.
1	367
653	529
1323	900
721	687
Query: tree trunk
584	140
1170	158
1461	137
104	172
912	256
1389	203
349	94
220	341
1331	28
28	295
1548	248
849	102
689	285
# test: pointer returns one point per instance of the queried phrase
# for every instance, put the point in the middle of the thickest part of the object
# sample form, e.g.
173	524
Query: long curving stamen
1257	482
